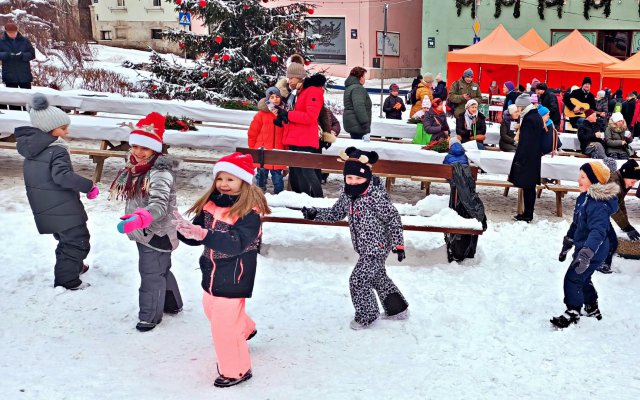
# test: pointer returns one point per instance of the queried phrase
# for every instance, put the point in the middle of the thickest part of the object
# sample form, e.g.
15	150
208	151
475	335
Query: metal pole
384	42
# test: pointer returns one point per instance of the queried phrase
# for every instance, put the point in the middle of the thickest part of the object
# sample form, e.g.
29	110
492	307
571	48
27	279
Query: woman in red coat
264	133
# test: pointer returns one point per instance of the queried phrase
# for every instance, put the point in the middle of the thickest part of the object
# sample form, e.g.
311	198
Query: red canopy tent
566	63
494	58
625	75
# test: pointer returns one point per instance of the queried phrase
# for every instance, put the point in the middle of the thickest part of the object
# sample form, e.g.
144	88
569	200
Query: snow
477	329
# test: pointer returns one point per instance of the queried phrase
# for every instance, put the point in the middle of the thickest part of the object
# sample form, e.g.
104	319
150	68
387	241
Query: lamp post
384	42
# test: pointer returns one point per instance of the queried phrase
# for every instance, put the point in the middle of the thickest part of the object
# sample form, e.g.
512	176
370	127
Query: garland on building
466	3
542	4
508	3
588	4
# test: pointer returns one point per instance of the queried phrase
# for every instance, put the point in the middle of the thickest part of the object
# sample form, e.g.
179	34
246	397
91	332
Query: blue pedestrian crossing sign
184	18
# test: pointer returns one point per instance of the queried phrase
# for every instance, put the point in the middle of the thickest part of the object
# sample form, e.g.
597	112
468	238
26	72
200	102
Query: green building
443	30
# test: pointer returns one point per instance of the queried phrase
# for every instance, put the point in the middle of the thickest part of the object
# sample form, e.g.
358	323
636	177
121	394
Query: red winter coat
263	133
302	129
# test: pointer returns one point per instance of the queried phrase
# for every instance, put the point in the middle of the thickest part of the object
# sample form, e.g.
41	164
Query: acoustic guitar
582	107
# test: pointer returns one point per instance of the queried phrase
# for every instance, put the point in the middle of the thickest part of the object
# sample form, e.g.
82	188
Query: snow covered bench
384	168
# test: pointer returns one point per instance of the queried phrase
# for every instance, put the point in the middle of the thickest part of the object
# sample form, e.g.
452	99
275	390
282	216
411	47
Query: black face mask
354	191
223	200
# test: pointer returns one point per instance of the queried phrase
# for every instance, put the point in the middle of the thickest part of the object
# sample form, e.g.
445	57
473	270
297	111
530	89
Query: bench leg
427	188
97	174
506	192
559	196
388	183
520	201
539	193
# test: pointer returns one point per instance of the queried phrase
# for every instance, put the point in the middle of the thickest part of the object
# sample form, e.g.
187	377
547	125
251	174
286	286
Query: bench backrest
321	161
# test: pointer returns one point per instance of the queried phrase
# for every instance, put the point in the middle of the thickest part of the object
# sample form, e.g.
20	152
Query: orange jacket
263	133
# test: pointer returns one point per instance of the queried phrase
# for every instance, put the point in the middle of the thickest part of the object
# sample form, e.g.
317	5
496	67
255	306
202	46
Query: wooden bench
388	168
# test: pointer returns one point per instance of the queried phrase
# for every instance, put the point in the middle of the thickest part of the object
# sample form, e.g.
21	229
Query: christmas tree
245	52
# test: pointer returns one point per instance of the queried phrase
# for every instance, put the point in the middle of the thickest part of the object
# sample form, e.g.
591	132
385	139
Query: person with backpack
393	106
462	91
440	92
423	90
615	104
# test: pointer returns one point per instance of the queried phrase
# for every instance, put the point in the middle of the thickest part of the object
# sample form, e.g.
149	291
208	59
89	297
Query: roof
630	68
499	47
532	41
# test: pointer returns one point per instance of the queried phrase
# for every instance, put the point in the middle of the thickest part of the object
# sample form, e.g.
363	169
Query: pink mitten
93	193
140	219
191	231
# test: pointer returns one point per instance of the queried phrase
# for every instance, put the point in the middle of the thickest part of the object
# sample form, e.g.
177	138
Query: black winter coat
440	92
52	186
587	134
436	125
467	134
628	109
509	99
549	100
16	68
389	103
507	135
581	96
527	161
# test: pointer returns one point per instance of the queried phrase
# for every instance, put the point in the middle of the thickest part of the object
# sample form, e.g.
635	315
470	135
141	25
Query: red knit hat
149	132
238	164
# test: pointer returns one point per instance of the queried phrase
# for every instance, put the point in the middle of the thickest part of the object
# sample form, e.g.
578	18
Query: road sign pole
384	42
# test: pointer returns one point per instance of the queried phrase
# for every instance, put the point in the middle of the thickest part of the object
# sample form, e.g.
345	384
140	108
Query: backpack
617	107
410	97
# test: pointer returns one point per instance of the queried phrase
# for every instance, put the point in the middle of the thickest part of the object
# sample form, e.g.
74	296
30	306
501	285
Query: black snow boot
567	318
592	310
223	381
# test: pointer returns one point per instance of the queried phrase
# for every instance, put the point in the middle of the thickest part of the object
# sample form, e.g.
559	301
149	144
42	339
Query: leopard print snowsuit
375	227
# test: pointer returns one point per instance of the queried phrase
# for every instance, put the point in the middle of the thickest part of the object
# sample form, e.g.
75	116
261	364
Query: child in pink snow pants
227	223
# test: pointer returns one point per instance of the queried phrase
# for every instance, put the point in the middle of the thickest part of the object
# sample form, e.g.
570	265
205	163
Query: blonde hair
250	197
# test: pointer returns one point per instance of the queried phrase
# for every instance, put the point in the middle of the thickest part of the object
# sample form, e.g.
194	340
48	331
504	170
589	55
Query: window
105	35
156	34
121	33
157	3
120	3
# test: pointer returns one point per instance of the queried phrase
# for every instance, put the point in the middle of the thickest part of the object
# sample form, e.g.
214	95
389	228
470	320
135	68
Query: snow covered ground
477	330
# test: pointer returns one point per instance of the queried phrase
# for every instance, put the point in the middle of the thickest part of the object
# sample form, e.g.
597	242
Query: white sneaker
396	317
356	326
81	286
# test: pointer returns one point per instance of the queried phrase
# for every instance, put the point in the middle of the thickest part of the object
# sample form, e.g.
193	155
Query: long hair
250	197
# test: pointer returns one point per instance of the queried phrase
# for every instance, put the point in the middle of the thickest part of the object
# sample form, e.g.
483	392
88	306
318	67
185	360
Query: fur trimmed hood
604	192
283	86
614	127
317	80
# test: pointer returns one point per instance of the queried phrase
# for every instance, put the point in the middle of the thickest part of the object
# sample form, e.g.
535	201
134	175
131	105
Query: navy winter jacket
456	155
16	68
52	186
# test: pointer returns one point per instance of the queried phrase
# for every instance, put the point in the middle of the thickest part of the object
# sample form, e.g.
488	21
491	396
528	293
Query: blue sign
476	39
184	18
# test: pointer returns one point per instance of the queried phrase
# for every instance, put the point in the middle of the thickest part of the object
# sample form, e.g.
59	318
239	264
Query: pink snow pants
230	327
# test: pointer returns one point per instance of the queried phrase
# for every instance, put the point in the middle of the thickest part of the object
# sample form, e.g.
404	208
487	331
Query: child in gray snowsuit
147	183
53	187
376	230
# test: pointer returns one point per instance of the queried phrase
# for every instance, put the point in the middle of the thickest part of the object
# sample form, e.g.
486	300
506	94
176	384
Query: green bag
421	137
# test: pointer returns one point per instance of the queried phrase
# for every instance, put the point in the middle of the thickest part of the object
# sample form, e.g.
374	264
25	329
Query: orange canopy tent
532	41
625	75
567	62
494	58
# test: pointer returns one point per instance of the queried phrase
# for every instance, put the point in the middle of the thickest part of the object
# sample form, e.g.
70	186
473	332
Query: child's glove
93	193
278	122
140	219
399	250
632	233
283	115
309	213
582	260
567	244
191	231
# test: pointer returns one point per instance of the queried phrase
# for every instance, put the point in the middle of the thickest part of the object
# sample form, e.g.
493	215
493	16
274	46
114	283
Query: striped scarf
132	179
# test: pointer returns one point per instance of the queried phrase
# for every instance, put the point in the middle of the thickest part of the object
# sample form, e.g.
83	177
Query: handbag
421	137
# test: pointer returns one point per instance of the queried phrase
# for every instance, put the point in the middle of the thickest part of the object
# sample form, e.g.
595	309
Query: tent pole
518	83
480	76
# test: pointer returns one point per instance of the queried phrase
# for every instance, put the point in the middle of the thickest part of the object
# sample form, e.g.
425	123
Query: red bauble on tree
225	57
310	11
181	45
205	74
216	56
154	87
246	6
274	58
202	3
218	39
273	42
187	89
265	1
307	61
312	45
250	78
178	2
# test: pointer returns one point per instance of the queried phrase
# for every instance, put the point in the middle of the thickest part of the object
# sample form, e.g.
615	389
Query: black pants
357	136
305	180
26	85
73	248
529	197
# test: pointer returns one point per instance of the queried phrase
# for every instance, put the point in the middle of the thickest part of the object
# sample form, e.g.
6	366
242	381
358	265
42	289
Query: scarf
438	112
355	191
470	119
124	187
223	200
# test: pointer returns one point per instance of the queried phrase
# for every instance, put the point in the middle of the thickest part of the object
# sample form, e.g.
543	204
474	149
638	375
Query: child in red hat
227	223
147	183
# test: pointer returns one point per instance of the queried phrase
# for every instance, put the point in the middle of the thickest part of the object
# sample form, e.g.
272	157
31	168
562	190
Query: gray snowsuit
375	227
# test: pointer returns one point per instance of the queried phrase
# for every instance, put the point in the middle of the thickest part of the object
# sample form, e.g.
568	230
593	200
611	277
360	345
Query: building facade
442	30
134	23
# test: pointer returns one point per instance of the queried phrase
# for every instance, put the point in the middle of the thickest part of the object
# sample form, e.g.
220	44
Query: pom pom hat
596	171
237	164
358	162
149	132
45	117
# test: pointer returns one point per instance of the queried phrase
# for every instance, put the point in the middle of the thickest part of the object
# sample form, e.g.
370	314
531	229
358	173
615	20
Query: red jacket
302	129
263	133
636	115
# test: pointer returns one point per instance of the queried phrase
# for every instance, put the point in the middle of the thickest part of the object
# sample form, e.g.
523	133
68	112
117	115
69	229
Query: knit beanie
630	170
393	86
468	73
523	100
534	98
509	85
45	117
588	113
617	117
273	90
296	68
600	94
542	86
586	80
596	171
542	110
470	103
358	162
436	102
512	108
237	164
149	132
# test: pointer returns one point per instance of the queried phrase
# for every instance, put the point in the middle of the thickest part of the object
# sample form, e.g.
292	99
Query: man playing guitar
578	101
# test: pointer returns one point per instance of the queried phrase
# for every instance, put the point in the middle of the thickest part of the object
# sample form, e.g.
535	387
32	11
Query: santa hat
237	164
149	132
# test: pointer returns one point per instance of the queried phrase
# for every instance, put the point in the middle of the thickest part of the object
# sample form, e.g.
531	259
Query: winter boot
252	334
523	217
223	381
569	317
604	268
396	317
592	310
81	286
144	326
356	326
84	269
